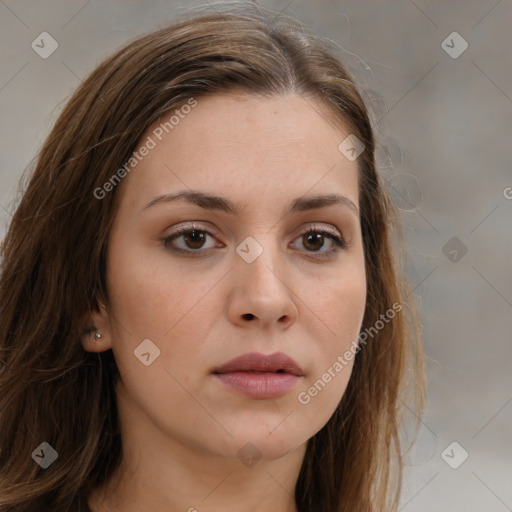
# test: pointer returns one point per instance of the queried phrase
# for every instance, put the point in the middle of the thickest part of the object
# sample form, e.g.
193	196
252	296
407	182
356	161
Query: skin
181	428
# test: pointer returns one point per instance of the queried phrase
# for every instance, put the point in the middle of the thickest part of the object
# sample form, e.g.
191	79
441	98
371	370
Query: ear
97	321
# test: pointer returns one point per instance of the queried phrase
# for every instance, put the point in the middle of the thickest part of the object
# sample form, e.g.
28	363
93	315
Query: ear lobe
96	336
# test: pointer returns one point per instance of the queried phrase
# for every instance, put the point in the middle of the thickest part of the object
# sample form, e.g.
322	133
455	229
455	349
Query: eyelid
199	227
193	225
319	227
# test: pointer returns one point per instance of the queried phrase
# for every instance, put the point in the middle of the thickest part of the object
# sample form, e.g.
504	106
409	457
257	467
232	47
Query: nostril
248	316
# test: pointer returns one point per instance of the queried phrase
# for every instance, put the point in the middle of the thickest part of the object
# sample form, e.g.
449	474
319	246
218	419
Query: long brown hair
54	253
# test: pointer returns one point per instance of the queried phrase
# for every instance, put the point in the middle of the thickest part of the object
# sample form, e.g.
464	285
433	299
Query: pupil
315	238
197	238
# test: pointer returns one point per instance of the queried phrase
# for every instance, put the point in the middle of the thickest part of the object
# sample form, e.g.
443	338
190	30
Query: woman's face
245	281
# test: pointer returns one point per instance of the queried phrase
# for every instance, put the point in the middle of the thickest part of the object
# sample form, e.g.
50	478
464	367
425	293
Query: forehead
229	143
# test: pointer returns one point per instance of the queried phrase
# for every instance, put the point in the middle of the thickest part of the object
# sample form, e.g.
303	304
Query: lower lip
259	384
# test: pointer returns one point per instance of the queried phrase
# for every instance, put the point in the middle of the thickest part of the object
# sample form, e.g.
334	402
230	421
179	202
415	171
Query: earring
97	336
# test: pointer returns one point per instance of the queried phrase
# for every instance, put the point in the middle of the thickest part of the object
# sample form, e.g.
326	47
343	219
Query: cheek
346	310
148	295
342	312
338	302
161	304
339	307
154	300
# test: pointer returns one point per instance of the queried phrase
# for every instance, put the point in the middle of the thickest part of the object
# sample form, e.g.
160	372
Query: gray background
445	130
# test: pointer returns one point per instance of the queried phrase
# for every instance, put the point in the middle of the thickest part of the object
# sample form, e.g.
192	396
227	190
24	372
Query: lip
254	361
259	375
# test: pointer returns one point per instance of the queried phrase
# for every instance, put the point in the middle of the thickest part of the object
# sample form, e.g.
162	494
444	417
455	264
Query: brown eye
313	241
194	239
191	240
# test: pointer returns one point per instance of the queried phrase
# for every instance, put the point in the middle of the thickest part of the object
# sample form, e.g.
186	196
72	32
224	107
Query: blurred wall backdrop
439	76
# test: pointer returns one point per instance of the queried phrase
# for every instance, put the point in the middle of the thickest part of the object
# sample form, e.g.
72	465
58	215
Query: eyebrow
214	202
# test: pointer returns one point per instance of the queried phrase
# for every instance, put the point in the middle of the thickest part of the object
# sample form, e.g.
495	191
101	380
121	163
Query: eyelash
339	242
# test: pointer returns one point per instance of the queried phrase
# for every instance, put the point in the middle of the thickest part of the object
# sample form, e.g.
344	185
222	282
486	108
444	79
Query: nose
262	292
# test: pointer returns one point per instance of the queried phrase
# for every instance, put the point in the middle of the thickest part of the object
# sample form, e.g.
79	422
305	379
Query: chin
269	439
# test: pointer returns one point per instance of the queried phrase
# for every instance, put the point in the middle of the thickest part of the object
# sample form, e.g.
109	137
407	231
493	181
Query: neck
211	486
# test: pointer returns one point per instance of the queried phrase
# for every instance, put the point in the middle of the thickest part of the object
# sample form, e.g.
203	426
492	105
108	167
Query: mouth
260	376
256	362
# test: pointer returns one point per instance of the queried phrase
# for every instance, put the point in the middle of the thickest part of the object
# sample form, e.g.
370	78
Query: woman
201	306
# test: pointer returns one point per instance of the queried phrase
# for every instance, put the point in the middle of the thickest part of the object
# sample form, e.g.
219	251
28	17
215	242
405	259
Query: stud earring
97	336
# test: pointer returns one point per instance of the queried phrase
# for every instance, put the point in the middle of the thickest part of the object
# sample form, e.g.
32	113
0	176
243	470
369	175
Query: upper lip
254	361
